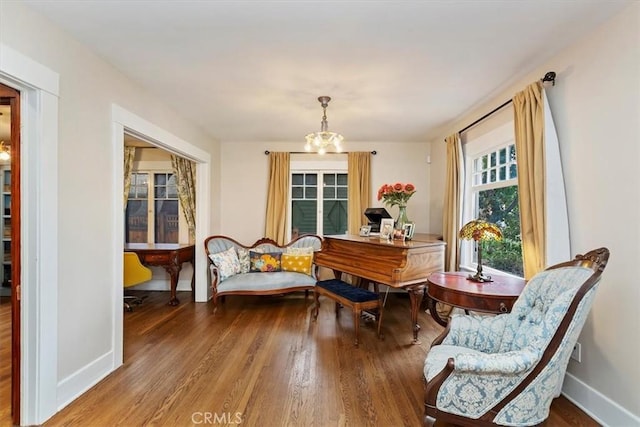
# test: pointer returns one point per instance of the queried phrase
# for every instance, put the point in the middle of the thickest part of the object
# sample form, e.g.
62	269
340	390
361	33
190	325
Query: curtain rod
548	77
267	152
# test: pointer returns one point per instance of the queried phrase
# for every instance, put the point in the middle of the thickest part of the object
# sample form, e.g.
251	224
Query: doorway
10	290
127	123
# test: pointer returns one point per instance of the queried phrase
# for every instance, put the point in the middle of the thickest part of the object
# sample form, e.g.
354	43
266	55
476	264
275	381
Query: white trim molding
38	86
126	121
598	406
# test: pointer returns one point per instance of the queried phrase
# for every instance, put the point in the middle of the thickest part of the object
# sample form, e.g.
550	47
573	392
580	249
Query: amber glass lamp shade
479	231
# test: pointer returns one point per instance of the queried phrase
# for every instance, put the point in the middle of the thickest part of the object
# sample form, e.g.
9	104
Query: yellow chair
134	274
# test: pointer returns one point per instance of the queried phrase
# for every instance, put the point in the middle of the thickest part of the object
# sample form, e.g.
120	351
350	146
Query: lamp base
480	278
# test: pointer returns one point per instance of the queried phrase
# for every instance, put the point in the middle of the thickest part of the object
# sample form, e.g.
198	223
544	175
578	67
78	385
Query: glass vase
402	218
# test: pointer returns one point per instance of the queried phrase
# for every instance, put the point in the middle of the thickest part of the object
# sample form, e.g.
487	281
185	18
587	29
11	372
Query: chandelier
319	141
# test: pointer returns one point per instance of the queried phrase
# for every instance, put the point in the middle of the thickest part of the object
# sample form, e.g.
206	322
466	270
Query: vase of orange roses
397	194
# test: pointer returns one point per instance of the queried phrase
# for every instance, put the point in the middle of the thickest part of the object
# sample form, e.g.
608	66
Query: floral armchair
506	369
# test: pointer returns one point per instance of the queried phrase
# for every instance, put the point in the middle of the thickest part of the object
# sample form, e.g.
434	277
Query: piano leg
416	293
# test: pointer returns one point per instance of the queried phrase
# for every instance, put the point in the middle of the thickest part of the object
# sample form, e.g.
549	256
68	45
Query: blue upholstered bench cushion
347	291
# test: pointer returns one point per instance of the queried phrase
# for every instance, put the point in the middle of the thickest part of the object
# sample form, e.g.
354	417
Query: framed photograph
365	230
399	234
409	229
386	228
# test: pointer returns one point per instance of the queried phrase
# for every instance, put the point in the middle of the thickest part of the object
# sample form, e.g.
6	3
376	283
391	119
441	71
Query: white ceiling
396	70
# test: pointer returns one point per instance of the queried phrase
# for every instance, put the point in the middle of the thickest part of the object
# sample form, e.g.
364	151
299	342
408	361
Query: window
152	202
492	195
317	210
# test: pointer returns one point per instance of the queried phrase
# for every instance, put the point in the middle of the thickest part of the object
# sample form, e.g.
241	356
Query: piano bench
358	299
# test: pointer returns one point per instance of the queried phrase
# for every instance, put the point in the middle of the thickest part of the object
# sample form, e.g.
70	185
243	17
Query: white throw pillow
227	262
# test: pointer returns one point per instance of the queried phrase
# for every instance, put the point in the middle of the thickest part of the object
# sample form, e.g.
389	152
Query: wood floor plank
260	361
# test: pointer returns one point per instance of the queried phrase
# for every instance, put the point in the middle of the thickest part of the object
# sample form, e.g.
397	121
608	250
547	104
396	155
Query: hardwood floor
261	361
5	361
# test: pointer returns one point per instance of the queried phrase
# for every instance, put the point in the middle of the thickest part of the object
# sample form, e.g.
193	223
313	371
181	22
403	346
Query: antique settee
263	268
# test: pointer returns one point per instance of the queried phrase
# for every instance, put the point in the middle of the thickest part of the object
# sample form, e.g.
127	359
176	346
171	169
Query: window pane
297	192
342	179
503	156
297	179
136	221
484	177
310	193
513	171
503	173
493	159
166	221
342	193
311	179
160	179
512	153
329	179
304	215
334	219
142	191
160	192
329	193
142	179
492	175
500	206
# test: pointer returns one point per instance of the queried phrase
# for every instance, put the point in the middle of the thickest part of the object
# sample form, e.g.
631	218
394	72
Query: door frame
39	93
126	121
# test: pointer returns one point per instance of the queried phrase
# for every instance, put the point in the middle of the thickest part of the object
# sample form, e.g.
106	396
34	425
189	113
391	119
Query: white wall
88	89
596	106
245	172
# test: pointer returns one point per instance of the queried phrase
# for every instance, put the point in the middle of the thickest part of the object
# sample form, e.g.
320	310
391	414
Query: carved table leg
193	281
174	272
416	293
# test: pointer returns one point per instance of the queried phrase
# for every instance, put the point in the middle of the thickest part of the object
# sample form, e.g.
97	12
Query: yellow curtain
185	172
129	154
452	212
359	188
528	107
277	197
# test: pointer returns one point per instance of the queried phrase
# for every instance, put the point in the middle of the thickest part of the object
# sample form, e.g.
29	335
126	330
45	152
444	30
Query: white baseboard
596	405
79	382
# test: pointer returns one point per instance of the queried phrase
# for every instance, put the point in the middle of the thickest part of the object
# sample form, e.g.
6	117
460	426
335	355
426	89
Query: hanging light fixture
319	141
5	151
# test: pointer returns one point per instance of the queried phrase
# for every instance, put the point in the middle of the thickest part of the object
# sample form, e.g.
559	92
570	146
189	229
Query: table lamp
479	231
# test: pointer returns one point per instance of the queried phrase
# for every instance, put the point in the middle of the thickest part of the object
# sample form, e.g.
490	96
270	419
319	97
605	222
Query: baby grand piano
393	263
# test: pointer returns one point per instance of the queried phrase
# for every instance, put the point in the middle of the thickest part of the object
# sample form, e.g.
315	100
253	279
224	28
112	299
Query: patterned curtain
452	215
129	154
185	172
359	188
530	144
277	197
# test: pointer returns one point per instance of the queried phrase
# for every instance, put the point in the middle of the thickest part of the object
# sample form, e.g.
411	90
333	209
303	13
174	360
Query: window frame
151	205
500	137
319	167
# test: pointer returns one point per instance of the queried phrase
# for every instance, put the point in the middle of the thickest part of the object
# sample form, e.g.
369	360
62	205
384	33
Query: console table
170	256
454	289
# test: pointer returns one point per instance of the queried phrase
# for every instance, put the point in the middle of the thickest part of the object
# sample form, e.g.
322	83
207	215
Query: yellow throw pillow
297	263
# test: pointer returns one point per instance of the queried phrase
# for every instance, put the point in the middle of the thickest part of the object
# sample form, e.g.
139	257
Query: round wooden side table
455	289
